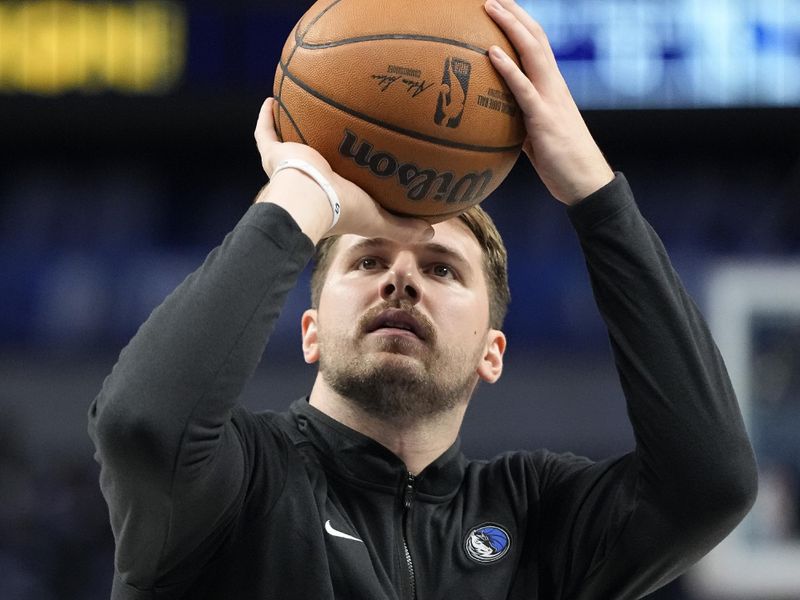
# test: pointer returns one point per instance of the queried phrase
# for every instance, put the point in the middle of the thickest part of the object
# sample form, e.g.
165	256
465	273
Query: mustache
425	324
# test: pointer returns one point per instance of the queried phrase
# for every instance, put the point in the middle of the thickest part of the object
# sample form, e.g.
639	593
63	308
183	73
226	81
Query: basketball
400	97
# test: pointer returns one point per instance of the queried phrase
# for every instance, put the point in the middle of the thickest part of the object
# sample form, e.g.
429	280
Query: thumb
408	229
372	220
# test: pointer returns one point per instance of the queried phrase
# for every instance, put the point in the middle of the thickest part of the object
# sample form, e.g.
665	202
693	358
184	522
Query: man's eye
367	263
442	271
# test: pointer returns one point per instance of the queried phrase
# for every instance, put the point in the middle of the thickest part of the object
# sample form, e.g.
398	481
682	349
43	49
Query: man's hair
495	263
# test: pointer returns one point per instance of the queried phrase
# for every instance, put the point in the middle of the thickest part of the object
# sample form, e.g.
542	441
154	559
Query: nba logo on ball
453	92
487	543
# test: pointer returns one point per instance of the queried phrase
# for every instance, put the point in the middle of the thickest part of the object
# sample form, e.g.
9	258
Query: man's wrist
319	178
609	200
589	186
303	198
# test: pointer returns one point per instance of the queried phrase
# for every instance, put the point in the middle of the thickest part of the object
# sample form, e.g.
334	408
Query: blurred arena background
127	154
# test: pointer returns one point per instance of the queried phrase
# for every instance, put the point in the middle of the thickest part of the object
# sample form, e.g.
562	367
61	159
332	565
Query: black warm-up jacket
210	501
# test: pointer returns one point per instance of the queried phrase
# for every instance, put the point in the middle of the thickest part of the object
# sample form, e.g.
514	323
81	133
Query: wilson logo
420	183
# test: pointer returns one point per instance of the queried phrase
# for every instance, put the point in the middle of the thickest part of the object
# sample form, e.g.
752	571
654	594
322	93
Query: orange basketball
400	97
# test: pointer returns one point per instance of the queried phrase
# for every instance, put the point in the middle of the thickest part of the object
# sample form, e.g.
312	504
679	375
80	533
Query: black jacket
208	500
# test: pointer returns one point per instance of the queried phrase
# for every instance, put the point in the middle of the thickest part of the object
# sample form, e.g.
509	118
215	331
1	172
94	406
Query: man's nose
402	282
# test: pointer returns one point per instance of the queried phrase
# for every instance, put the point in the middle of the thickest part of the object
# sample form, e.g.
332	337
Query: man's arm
172	464
173	468
621	528
631	525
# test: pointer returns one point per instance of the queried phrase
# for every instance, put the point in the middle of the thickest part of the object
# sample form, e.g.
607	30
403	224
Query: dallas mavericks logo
453	92
487	543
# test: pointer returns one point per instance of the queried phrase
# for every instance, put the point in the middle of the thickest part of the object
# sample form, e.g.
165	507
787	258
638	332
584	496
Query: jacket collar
359	457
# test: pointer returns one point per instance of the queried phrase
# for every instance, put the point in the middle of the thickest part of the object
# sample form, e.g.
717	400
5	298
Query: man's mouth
399	321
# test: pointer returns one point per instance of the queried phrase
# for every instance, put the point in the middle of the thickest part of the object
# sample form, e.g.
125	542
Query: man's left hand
558	143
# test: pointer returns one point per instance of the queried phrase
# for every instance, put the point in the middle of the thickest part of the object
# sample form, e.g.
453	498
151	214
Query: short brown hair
495	263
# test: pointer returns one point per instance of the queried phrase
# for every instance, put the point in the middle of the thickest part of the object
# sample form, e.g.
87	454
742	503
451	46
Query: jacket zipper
408	498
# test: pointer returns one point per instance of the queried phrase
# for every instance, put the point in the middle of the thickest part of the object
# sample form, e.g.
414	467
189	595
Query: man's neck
417	442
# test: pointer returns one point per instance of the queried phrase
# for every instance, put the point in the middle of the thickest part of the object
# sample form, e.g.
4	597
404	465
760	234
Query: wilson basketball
400	97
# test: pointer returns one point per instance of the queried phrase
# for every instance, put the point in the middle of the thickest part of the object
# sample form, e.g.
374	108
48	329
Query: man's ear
308	325
491	365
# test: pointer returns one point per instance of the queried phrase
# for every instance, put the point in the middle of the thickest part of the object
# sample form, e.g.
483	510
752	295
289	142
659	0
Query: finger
532	54
524	90
265	134
265	126
531	25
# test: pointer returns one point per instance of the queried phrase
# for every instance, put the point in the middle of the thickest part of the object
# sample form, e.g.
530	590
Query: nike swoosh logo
341	534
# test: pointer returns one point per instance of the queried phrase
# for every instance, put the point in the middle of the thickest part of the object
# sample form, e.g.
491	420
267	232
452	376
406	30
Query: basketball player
359	491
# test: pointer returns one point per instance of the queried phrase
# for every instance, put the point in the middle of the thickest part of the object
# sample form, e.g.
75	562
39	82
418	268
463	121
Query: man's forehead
450	237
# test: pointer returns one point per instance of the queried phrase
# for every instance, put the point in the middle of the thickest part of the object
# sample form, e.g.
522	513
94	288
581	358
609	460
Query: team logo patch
487	543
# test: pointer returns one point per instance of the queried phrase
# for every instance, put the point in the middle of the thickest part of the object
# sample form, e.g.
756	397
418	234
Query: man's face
403	330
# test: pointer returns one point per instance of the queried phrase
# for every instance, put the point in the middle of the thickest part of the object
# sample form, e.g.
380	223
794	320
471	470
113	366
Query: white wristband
313	172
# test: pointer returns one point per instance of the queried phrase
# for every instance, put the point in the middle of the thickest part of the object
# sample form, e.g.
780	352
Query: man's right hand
306	201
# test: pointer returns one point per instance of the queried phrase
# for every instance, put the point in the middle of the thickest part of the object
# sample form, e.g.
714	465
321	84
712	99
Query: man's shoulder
541	458
532	466
262	432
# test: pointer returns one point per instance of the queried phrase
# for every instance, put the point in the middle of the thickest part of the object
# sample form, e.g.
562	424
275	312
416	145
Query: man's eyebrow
446	251
368	244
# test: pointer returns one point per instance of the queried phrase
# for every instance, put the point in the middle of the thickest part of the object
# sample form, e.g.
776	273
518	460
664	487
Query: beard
396	378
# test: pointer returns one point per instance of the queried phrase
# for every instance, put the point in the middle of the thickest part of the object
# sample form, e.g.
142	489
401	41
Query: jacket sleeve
622	528
173	468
